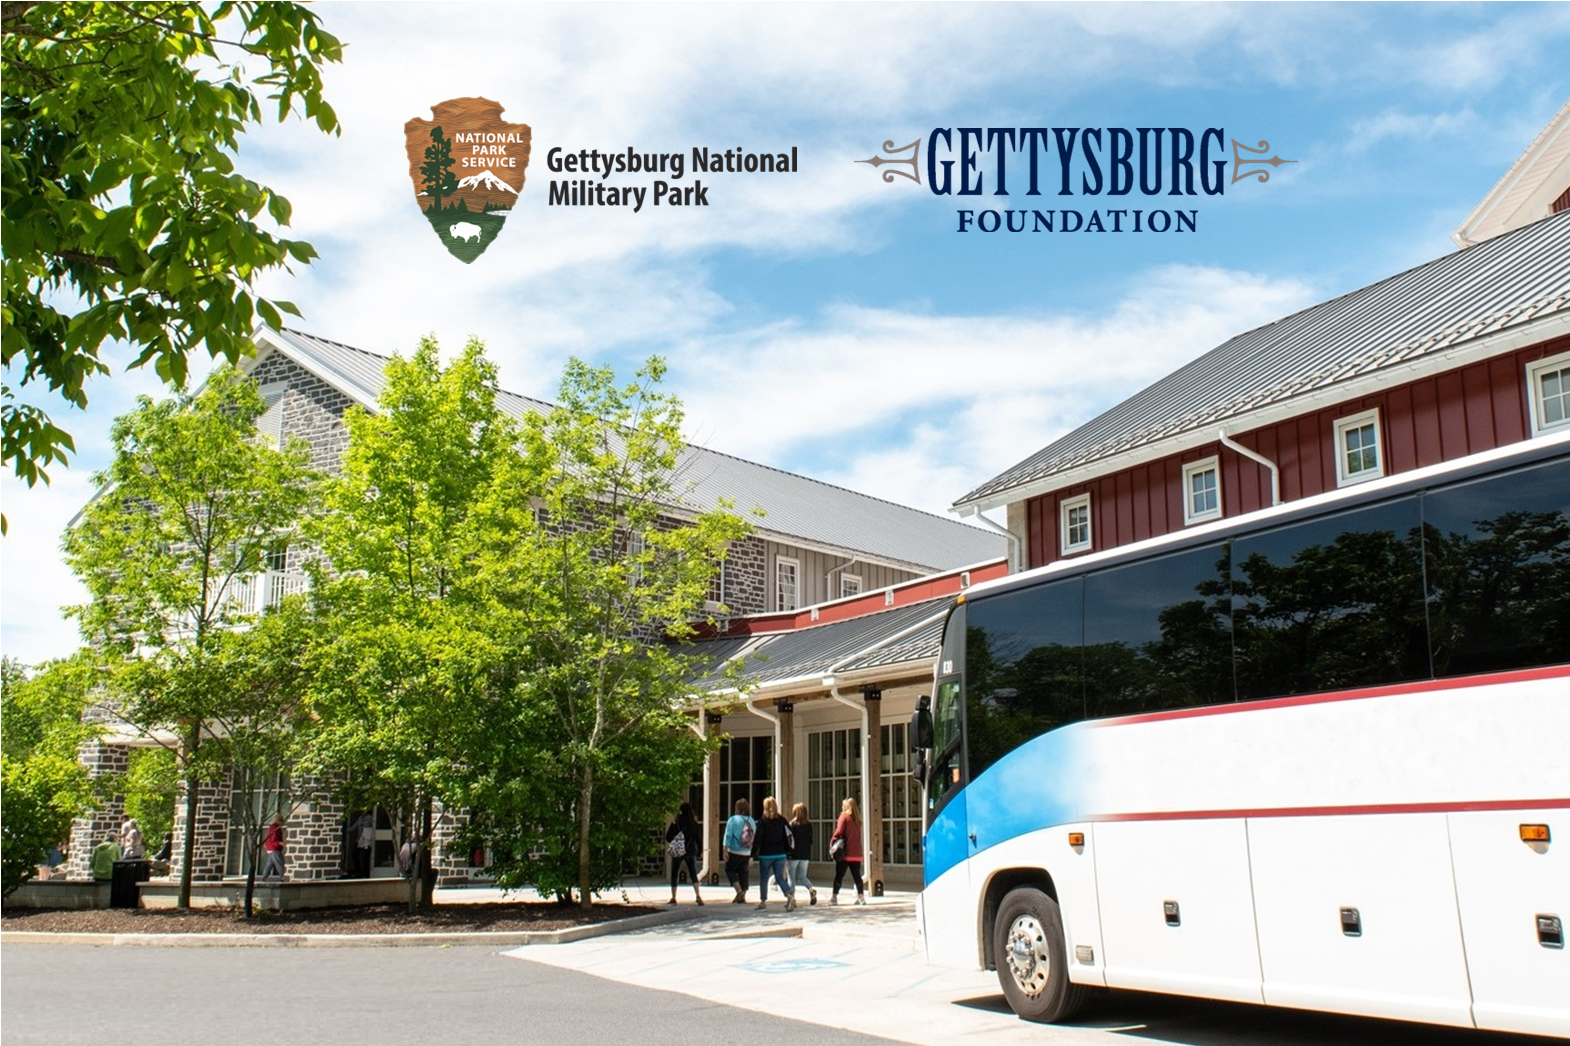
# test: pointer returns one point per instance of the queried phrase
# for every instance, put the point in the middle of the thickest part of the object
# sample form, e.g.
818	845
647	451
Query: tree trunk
585	816
188	844
427	869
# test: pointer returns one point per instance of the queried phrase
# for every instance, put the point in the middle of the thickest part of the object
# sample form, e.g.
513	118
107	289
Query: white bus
1315	757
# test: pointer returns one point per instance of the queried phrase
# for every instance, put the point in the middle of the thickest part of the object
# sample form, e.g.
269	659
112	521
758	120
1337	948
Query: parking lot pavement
857	968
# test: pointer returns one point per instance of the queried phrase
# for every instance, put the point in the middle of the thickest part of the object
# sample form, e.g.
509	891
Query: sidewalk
860	968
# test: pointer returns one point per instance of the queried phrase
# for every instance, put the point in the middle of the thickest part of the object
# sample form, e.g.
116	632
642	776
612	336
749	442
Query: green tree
151	787
183	519
262	724
404	659
437	169
123	217
587	746
45	787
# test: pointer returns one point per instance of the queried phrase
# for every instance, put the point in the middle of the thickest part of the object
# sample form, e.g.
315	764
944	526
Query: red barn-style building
1468	352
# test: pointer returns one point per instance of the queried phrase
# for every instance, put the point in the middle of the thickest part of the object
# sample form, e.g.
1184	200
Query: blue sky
826	322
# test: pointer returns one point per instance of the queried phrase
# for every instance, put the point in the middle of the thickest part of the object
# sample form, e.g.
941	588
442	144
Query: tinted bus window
1022	669
1332	603
1158	634
1498	562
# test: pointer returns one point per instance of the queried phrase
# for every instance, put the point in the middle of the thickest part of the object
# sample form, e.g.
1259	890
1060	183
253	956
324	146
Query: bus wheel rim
1028	959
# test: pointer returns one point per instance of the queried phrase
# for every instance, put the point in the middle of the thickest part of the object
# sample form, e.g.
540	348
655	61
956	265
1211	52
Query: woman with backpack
740	833
845	847
683	839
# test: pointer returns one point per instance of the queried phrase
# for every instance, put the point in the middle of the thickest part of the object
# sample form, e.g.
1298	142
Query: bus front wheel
1032	962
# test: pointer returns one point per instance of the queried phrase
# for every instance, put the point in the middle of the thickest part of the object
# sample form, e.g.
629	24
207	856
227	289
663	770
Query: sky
828	322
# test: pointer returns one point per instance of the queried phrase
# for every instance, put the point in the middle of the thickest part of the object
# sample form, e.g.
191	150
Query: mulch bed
383	918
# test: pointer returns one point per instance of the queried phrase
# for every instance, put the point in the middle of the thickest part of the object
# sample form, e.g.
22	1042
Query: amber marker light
1534	833
1076	839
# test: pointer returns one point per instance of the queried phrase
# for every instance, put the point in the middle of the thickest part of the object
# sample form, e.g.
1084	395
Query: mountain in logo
468	167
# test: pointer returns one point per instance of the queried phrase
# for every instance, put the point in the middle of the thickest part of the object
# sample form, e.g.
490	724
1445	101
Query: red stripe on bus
1394	690
1481	805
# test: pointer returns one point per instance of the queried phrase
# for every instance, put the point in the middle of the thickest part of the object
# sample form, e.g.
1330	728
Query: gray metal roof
871	641
1504	282
795	506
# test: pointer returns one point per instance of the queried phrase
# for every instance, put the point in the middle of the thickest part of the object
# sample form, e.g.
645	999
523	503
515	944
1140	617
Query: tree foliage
587	747
124	217
404	658
45	787
183	520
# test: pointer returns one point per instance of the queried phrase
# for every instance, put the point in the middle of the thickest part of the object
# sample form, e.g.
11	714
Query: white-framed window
850	585
637	545
1074	523
716	592
787	587
1548	389
1202	490
1358	453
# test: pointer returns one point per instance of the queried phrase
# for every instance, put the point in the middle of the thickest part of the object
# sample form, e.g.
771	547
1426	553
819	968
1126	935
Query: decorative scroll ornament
914	148
1238	162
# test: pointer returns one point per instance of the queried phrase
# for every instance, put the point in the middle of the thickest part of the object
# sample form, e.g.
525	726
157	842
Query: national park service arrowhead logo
467	166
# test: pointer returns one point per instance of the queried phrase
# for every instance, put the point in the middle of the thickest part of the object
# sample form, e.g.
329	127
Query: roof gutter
779	742
973	512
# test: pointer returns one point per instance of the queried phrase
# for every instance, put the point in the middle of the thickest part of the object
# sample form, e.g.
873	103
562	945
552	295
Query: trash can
124	891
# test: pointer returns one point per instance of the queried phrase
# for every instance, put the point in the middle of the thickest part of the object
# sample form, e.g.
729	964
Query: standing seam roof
795	506
1501	283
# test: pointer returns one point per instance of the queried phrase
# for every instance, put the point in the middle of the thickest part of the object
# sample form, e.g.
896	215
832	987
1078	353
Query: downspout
779	743
701	728
1275	473
861	706
1014	564
827	589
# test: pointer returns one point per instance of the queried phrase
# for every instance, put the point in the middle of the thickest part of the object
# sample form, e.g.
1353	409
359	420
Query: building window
746	772
850	585
786	589
901	799
1358	454
1548	385
833	775
716	592
270	422
1074	522
1201	491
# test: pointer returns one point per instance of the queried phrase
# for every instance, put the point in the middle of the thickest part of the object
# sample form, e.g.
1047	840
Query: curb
497	938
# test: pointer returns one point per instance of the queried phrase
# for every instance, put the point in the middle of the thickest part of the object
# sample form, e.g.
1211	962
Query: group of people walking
782	848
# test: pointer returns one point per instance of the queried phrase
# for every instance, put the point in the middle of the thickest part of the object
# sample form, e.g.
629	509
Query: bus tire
1031	959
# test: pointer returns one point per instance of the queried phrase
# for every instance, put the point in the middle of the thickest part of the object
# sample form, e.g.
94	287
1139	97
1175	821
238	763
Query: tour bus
1314	757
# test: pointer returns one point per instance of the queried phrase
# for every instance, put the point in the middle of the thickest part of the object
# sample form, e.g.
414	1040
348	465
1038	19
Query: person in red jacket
273	846
845	848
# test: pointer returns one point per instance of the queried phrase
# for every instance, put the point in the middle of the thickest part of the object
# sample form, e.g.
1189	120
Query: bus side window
1023	669
1499	578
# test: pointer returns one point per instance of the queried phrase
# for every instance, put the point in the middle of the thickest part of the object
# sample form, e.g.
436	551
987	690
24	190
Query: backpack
678	844
747	834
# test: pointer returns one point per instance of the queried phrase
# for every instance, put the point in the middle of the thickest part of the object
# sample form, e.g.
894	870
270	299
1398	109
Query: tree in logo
437	169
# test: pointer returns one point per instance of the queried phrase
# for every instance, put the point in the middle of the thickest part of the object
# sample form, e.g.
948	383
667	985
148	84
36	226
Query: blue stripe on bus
1038	785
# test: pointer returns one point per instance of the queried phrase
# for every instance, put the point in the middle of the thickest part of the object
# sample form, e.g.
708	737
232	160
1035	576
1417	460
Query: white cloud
920	408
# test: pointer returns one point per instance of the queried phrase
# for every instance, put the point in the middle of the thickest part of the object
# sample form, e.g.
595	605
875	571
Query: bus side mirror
921	725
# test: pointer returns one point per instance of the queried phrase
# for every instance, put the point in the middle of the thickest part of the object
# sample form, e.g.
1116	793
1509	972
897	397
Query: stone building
816	543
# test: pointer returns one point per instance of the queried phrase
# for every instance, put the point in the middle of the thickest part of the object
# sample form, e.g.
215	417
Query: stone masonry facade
312	410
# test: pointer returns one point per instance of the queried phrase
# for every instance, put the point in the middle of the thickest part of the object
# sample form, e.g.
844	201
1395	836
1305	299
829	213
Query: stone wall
312	410
101	759
746	577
